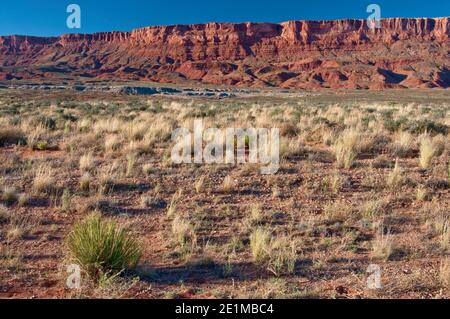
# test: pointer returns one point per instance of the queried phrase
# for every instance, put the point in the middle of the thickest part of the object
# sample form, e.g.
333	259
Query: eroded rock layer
403	53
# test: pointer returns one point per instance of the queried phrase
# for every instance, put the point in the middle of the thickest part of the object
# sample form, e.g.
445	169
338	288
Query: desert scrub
199	187
172	209
382	246
184	234
346	148
282	256
427	152
260	245
421	193
336	182
403	144
101	247
85	182
256	214
445	236
112	143
10	195
86	163
11	135
373	209
148	169
4	214
19	226
131	161
395	178
337	211
444	273
227	185
66	200
44	179
278	254
448	172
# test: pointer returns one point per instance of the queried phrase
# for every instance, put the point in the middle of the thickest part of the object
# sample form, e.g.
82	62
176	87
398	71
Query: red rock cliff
302	54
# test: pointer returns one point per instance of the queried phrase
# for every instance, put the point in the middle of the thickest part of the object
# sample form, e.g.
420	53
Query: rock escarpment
403	53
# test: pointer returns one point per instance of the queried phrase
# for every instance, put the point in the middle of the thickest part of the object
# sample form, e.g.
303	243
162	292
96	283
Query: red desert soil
403	53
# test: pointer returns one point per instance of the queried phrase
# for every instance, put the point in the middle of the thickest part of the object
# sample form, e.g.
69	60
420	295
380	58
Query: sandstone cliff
296	54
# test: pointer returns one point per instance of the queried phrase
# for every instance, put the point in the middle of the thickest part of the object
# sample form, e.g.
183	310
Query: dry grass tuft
403	144
260	245
346	148
396	177
44	179
86	163
11	136
228	185
427	152
184	233
382	246
444	273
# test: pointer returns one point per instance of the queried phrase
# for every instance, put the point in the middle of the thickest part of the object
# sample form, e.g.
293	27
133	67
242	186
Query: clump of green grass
101	247
41	146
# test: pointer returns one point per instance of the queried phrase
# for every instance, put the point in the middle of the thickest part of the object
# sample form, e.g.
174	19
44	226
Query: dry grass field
364	180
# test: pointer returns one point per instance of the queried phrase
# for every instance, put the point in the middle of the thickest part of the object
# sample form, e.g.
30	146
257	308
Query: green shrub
101	247
41	146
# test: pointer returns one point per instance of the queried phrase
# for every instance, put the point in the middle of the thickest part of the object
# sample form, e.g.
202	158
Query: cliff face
300	54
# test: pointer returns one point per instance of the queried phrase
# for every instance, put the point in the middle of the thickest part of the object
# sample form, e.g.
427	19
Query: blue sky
48	17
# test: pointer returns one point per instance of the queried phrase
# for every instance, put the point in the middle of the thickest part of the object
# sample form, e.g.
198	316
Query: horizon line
210	22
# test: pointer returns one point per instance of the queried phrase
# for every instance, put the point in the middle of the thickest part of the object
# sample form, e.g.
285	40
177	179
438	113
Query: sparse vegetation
361	181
